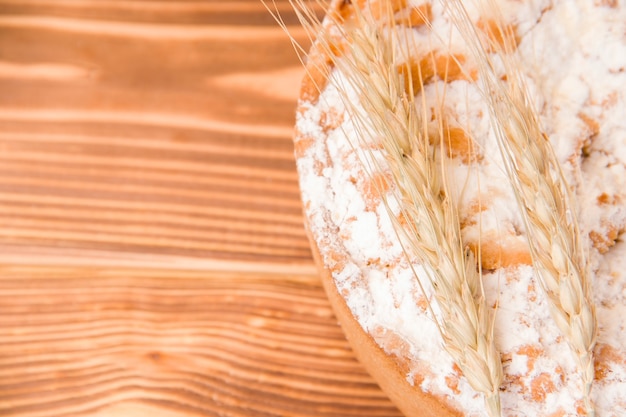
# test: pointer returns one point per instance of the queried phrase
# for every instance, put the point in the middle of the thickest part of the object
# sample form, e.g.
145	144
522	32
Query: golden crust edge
410	400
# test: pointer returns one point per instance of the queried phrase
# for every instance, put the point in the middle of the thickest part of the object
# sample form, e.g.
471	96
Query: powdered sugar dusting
573	57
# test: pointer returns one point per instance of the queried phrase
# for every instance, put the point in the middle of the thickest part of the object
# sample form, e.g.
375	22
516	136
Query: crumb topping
573	59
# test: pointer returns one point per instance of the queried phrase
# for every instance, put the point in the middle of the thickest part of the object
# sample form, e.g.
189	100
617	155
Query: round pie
462	68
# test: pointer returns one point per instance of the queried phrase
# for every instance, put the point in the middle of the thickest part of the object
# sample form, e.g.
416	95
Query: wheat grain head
431	231
547	205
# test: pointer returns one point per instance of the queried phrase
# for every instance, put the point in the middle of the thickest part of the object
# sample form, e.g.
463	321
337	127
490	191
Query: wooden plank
94	341
151	130
152	256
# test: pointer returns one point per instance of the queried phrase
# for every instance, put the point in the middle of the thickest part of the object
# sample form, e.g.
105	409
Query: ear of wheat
546	202
430	229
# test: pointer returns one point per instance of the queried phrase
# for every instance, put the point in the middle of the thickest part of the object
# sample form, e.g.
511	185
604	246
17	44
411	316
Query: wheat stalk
547	205
432	230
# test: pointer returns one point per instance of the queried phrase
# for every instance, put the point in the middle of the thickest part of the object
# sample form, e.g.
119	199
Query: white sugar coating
572	54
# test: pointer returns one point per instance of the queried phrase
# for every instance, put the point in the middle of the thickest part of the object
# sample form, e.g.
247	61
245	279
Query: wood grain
84	341
152	256
148	128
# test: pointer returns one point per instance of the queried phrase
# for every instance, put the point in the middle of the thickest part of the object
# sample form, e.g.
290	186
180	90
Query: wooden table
152	255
